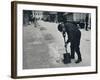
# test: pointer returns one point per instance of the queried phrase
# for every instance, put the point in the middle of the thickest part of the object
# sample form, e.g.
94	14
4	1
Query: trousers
75	45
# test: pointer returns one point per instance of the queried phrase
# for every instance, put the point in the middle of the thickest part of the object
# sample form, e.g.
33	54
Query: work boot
78	61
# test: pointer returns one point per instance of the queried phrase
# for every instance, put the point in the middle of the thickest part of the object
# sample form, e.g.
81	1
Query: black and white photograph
54	39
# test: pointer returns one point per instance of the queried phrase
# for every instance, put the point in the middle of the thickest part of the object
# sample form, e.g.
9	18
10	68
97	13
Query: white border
21	72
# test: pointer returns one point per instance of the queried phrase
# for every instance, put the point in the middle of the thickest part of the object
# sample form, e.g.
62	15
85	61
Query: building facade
37	14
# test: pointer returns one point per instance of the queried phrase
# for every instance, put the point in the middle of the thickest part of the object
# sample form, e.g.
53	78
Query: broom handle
64	35
66	47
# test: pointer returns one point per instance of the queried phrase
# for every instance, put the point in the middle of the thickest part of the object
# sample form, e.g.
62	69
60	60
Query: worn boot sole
78	61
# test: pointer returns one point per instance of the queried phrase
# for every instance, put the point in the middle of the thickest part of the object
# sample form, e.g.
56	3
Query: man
74	36
86	20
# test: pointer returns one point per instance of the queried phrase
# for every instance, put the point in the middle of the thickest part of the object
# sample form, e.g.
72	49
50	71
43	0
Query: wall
5	41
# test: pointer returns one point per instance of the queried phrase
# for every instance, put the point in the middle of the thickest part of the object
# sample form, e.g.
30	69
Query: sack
67	58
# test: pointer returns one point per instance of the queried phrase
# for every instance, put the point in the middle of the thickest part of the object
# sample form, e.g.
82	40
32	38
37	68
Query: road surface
43	47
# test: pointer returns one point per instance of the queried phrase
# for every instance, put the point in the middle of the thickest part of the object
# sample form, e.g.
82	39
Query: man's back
71	27
72	30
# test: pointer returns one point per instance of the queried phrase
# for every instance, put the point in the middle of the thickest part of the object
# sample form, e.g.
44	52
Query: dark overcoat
73	32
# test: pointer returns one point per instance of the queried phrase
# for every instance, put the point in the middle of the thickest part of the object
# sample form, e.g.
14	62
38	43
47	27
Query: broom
66	55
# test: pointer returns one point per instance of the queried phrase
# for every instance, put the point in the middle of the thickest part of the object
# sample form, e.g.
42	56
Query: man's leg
86	27
77	46
77	50
72	51
78	54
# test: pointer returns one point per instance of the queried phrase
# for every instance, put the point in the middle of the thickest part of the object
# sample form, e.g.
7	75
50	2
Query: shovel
66	55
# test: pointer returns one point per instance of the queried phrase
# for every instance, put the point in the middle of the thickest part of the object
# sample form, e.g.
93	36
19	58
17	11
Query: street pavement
43	47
